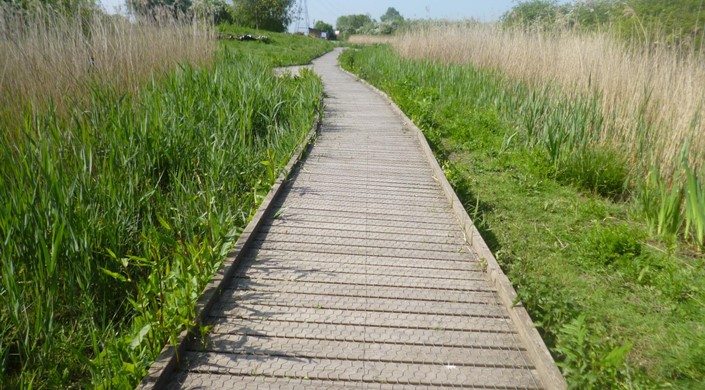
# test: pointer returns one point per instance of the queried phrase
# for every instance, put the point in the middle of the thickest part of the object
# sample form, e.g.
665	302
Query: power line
331	9
302	7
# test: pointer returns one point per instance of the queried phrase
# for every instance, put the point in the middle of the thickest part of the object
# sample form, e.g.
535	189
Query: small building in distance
316	33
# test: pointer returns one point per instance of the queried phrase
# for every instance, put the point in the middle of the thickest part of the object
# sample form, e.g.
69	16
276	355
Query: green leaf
279	213
164	223
616	357
137	340
114	275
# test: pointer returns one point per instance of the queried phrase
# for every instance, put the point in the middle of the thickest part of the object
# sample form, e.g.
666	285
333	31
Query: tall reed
637	106
654	94
370	39
54	58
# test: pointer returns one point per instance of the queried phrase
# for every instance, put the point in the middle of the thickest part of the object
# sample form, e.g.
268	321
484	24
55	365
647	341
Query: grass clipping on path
655	96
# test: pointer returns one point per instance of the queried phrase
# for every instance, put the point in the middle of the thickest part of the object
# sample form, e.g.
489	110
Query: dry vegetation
370	39
655	95
48	56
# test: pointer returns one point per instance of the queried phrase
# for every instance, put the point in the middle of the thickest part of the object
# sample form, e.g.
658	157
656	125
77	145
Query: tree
391	16
67	7
157	8
271	15
325	27
390	21
532	13
349	24
213	10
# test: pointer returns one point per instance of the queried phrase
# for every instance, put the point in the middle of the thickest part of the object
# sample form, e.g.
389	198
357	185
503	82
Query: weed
661	204
587	362
695	207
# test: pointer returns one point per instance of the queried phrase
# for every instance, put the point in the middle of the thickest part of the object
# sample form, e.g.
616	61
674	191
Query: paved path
362	279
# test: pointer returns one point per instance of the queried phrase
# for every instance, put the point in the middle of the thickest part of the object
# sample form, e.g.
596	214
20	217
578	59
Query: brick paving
360	278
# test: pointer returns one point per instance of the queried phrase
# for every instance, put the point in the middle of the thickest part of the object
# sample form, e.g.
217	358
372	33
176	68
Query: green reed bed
111	222
618	304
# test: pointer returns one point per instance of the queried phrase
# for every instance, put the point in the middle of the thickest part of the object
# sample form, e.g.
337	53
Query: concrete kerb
549	373
159	373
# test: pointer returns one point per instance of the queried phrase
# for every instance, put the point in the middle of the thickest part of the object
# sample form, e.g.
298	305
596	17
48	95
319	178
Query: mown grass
618	306
280	50
114	216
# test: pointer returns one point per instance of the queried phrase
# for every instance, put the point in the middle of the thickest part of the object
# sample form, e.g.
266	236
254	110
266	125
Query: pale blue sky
330	10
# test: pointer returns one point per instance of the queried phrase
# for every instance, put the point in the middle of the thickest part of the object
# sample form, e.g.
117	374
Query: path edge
160	371
548	371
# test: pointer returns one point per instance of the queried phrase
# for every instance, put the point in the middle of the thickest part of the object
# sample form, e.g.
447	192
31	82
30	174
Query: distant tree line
62	6
672	22
388	23
271	15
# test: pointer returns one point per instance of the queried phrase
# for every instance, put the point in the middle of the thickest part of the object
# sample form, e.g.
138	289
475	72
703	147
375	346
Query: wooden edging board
159	373
548	372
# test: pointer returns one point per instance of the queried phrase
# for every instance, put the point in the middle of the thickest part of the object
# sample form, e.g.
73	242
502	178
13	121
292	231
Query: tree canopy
63	6
154	7
528	13
390	21
325	27
271	15
364	24
349	24
392	15
215	10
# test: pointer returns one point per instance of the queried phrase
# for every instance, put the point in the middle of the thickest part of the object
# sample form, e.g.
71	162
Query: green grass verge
617	307
280	50
112	222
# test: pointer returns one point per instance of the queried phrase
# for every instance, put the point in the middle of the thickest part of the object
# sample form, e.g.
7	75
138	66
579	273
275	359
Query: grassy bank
617	305
279	50
116	212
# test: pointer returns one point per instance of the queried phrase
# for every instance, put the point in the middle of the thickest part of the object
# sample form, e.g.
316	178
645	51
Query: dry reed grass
656	86
49	56
370	39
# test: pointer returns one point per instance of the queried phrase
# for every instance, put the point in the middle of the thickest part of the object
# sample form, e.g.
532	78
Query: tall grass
653	94
619	104
54	58
370	39
116	209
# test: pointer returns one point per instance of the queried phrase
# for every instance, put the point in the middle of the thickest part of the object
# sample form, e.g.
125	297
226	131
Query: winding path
360	276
